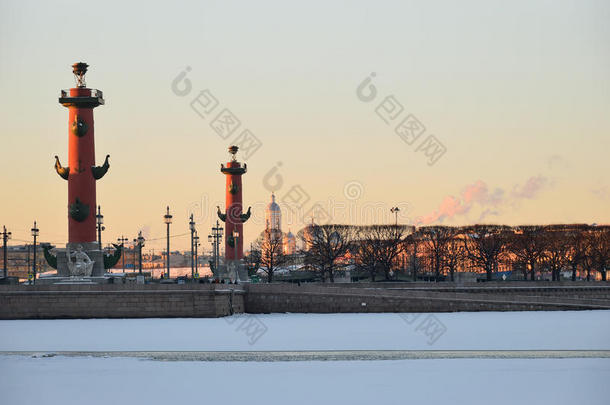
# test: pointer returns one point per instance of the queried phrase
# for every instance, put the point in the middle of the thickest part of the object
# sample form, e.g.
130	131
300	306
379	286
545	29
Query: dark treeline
442	251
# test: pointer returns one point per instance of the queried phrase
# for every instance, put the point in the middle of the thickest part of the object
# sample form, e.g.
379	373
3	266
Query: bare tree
454	254
484	246
436	240
599	245
253	260
556	252
577	247
270	245
528	245
366	250
377	248
391	246
588	258
412	246
326	247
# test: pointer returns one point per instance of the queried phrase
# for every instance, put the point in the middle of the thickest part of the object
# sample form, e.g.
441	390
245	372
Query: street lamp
235	241
168	221
395	210
135	252
5	237
192	228
122	241
140	245
211	240
215	238
196	242
35	232
100	220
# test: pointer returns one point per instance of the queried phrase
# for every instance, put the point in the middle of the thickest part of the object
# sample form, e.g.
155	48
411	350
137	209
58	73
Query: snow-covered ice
121	380
91	381
555	330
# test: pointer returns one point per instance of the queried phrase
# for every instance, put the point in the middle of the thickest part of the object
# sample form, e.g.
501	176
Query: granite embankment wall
120	301
393	297
215	300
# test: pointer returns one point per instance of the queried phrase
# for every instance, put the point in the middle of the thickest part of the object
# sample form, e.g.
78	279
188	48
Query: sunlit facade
290	243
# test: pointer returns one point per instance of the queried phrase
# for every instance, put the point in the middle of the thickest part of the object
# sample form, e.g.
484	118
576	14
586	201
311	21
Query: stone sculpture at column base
91	267
77	266
234	270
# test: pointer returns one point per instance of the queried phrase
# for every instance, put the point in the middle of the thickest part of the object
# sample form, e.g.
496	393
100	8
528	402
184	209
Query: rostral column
234	218
81	174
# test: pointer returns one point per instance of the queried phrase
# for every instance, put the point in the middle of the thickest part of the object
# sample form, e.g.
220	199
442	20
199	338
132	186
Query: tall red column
81	172
234	217
83	256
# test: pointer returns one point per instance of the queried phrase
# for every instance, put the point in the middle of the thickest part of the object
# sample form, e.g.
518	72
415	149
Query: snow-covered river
556	330
457	358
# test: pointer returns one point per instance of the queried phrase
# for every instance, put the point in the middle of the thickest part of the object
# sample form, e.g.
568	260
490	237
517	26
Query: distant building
273	227
290	243
273	216
20	260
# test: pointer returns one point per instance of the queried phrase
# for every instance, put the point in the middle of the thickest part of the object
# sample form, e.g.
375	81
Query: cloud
449	207
491	203
473	194
531	188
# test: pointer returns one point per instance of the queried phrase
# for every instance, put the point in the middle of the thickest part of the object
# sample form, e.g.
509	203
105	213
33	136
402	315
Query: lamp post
196	243
5	237
192	228
235	259
135	252
122	241
100	221
140	245
211	240
35	232
168	221
215	238
395	210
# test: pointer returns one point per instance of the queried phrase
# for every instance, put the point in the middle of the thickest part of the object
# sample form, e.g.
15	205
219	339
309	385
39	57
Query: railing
65	93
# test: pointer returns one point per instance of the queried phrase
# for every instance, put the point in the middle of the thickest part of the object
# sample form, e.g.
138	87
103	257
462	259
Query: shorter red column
234	217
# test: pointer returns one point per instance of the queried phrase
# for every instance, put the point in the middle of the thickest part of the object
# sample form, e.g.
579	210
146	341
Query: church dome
290	243
272	206
273	215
